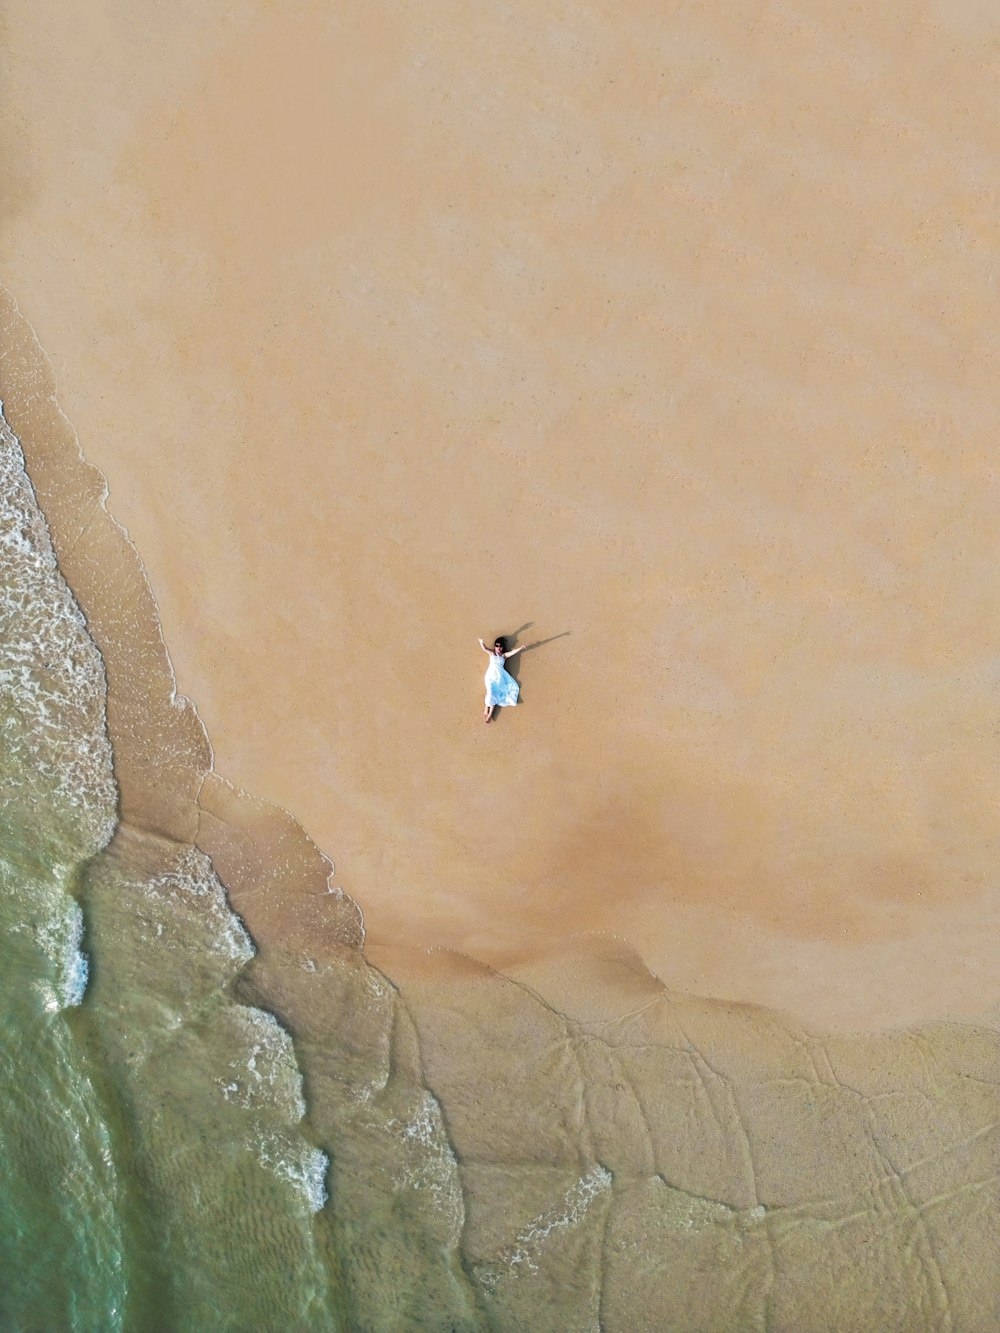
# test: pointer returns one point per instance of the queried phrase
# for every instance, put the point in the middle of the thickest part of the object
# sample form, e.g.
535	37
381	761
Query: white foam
569	1212
76	965
297	1162
428	1163
266	1073
52	679
57	927
193	877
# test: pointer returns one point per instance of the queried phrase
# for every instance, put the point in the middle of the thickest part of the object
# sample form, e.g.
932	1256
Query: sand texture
664	341
668	332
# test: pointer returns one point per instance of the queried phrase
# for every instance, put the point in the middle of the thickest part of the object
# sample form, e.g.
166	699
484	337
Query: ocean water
160	1167
157	1171
217	1114
60	1221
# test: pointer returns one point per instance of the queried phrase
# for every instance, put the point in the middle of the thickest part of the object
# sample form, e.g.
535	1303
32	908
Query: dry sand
669	332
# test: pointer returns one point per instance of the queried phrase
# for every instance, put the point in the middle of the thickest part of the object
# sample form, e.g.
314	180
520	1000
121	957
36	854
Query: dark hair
499	643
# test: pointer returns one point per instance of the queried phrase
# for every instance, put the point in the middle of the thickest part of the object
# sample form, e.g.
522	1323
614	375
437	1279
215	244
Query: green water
60	1217
160	1167
156	1168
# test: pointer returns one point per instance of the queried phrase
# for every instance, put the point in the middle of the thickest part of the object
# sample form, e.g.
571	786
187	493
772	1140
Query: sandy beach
667	336
662	343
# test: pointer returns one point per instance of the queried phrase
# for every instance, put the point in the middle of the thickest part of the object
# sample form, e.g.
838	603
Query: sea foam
304	1167
52	680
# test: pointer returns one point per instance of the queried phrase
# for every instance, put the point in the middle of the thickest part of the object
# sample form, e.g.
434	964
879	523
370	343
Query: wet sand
667	335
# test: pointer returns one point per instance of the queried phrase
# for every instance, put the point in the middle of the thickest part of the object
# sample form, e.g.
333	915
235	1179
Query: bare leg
488	713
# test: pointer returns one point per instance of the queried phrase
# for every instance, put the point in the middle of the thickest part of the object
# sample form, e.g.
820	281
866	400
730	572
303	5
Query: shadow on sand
513	664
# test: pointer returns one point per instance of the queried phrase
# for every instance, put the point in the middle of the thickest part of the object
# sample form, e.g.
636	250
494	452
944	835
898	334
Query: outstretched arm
514	651
484	648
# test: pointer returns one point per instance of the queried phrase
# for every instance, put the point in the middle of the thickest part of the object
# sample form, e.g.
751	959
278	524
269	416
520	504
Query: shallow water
219	1114
152	1124
60	1224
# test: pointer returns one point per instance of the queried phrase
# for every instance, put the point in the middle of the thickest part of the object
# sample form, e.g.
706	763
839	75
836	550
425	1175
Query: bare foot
488	718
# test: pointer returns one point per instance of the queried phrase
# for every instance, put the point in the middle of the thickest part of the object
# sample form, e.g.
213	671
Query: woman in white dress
501	687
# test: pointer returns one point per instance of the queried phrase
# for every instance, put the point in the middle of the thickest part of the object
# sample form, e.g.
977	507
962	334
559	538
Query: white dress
501	687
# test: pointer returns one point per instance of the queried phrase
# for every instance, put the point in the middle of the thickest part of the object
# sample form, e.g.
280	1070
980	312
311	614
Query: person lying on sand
501	688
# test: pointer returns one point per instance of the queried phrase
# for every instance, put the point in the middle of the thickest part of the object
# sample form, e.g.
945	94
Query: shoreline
670	1000
741	454
627	1116
243	832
